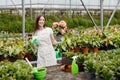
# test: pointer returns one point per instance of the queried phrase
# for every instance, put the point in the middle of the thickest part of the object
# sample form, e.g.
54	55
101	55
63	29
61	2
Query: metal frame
23	18
112	14
89	14
101	14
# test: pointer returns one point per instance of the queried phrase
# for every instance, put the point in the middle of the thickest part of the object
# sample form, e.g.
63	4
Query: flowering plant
59	27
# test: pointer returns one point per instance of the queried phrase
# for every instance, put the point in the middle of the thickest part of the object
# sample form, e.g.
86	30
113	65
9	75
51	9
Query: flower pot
100	78
66	68
117	77
95	50
71	50
1	58
30	57
12	59
80	66
65	60
85	50
5	60
90	76
77	49
20	56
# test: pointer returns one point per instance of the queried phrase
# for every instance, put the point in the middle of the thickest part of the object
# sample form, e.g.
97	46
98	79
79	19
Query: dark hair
36	23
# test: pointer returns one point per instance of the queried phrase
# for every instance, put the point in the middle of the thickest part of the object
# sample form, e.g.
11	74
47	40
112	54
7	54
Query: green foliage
29	25
18	70
11	47
105	21
117	14
70	23
28	48
13	22
114	21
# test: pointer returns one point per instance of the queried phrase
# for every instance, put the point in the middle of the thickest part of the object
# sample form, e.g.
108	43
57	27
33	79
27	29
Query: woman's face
41	21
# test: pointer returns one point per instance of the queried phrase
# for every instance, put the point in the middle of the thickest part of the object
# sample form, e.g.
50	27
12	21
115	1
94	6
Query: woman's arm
53	40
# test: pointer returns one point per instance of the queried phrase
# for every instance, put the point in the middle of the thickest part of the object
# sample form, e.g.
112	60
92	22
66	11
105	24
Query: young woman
46	54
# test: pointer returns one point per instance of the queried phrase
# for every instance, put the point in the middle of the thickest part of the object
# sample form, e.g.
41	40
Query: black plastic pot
99	78
90	76
80	66
65	60
117	78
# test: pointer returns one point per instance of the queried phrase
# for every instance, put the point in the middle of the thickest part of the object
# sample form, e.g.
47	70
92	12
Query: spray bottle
74	66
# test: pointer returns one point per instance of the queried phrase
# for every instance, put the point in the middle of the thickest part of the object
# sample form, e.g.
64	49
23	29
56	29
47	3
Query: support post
101	14
89	14
30	10
112	15
70	10
23	19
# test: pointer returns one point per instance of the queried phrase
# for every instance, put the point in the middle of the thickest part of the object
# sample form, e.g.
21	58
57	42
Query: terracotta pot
30	57
2	58
71	50
66	68
5	60
95	50
77	49
85	50
20	56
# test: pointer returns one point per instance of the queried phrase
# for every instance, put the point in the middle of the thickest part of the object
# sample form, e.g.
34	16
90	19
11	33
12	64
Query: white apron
46	53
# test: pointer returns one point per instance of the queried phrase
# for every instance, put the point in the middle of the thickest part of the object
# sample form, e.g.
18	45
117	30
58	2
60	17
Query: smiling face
41	21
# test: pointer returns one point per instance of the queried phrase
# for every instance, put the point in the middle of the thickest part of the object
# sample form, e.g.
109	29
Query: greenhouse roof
64	4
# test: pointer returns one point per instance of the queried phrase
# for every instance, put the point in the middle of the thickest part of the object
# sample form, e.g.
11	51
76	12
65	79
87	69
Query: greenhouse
59	40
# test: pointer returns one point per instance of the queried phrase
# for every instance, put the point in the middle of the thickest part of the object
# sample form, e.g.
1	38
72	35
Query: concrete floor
54	73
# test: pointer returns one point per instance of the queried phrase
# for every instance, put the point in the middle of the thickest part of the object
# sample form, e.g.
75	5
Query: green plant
28	48
11	47
95	41
85	40
88	66
69	55
81	58
18	70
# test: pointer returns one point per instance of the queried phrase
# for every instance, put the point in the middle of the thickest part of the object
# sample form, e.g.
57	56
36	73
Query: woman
46	53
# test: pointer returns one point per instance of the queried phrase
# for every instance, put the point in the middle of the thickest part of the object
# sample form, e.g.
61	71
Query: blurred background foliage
13	22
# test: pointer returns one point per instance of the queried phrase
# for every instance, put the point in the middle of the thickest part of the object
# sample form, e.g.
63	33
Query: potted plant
29	51
85	38
89	69
80	62
95	42
68	58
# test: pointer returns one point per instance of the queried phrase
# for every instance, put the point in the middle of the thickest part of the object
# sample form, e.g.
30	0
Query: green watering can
39	73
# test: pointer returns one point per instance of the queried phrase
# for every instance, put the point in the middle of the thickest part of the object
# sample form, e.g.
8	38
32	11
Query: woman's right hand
62	31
